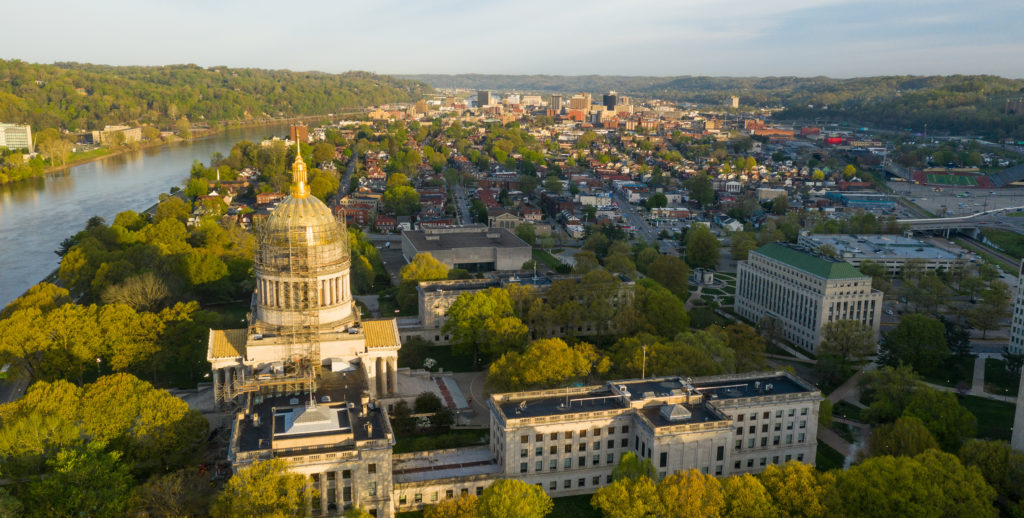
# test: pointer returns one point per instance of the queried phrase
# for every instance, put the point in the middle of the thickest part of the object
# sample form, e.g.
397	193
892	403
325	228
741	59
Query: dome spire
300	186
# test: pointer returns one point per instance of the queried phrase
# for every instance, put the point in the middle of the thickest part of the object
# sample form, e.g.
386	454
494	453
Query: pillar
392	375
218	385
381	376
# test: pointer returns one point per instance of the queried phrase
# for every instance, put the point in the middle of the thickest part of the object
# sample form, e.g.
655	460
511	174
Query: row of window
766	415
776	440
764	428
764	460
553	449
581	462
553	436
417	498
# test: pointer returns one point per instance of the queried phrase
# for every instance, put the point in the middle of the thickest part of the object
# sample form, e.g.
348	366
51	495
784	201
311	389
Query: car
888	312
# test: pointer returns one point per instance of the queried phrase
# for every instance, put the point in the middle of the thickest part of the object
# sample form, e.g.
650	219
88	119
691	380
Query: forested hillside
947	104
77	96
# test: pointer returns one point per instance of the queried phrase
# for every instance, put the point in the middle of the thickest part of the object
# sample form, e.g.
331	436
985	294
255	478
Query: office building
804	290
116	135
556	102
16	136
298	133
734	101
889	250
611	99
484	98
580	101
474	248
1016	345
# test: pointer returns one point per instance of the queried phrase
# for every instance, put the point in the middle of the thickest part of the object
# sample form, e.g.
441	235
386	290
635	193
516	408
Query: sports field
949	179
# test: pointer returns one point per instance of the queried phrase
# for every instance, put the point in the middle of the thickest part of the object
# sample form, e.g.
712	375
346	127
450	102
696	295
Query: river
37	214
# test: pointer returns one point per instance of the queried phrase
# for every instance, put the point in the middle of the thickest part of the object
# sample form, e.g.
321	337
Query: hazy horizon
742	38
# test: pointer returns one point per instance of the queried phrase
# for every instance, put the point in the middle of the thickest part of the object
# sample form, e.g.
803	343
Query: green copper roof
811	263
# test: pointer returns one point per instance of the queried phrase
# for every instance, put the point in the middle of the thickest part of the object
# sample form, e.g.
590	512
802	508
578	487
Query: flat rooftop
644	389
465	237
460	462
750	387
291	413
593	401
879	247
698	414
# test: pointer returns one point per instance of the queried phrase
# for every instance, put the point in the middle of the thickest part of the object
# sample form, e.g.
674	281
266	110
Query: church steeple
300	186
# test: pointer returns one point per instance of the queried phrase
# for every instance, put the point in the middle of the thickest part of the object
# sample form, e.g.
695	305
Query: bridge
996	218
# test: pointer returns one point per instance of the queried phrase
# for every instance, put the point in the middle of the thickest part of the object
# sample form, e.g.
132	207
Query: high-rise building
1017	440
611	99
556	102
803	291
1016	345
734	101
299	133
16	136
580	101
484	98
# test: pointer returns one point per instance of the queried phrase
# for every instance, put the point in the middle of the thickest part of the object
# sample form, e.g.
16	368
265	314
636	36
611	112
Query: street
635	219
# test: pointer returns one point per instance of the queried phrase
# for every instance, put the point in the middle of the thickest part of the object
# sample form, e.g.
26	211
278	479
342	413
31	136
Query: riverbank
198	134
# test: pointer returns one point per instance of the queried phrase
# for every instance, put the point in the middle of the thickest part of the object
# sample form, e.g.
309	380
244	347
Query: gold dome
301	234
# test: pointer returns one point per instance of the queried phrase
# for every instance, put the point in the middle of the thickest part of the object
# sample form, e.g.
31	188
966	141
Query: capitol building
311	382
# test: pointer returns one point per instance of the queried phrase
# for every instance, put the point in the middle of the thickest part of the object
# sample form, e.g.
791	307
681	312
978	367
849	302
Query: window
522	467
465	491
553	486
581	482
346	494
801	438
739	443
538	451
330	476
803	411
803	424
479	490
554	464
608	479
625	429
750	463
524	453
597	432
753	416
663	460
764	442
401	500
596	460
778	426
554	436
582	462
568	462
371	468
789	458
611	458
736	465
433	496
554	450
583	446
596	481
539	466
346	474
567	484
792	412
611	430
775	440
568	448
417	498
765	415
789	438
778	414
568	435
371	488
524	439
721	453
800	457
611	443
583	433
775	459
539	437
739	418
753	429
624	443
764	460
750	442
789	425
739	431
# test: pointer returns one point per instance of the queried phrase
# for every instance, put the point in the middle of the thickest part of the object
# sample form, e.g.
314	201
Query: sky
836	38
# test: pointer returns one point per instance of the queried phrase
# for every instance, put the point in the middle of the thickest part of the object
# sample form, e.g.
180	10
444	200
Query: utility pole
643	368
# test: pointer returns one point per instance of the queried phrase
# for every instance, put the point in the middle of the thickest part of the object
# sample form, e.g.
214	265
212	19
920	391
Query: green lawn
413	356
450	439
956	370
847	410
410	514
988	258
1008	241
994	417
88	155
574	507
998	380
546	258
828	458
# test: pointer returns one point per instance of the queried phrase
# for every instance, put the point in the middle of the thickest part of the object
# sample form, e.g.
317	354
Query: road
14	388
347	178
635	219
462	201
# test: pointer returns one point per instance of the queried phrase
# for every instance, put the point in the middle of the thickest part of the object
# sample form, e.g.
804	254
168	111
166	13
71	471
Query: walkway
978	382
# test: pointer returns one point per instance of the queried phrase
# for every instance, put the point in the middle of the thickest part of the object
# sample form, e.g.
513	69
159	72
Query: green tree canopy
263	489
511	498
702	247
918	341
907	436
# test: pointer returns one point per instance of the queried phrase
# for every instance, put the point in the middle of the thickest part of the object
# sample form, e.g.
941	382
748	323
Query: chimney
364	401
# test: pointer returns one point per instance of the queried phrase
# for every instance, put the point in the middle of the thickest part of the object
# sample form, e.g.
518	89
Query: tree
183	128
631	467
1000	464
656	200
85	481
849	171
701	190
145	292
553	184
907	436
323	152
993	308
746	497
546	363
461	507
186	492
930	484
888	392
702	247
818	175
878	273
742	244
918	341
780	205
511	498
628	498
424	267
797	490
948	421
691	494
749	347
843	343
526	232
401	200
264	489
483	322
658	310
